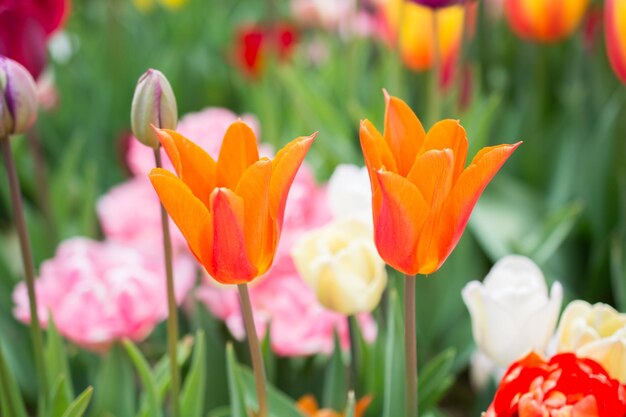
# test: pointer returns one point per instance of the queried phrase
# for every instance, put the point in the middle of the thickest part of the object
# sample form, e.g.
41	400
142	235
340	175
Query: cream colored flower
340	262
511	311
597	332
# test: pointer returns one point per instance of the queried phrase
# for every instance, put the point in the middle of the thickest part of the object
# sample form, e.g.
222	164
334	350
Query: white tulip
341	264
597	332
511	311
349	194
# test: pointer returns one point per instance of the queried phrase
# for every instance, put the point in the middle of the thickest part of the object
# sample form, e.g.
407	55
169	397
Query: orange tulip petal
192	164
403	133
239	150
308	405
448	134
254	189
230	263
376	152
465	194
284	168
189	213
398	221
362	405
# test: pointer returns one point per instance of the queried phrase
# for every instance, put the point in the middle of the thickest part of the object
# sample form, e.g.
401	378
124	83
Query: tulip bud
154	104
18	98
511	311
545	21
436	4
341	264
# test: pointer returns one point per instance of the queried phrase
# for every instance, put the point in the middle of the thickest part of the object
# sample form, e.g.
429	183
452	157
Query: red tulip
564	386
615	33
25	26
254	42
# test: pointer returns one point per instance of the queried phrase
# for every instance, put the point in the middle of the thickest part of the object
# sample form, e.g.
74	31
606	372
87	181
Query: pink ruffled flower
299	325
130	213
100	292
206	128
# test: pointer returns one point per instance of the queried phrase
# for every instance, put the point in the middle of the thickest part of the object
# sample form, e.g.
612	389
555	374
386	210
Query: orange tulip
308	405
545	20
422	196
615	15
230	211
417	38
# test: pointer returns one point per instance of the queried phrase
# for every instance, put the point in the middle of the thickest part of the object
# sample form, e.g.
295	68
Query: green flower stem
172	318
353	374
43	187
29	266
410	348
434	105
255	350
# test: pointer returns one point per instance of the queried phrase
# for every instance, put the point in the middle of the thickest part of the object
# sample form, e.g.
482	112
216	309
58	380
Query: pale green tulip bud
18	98
154	104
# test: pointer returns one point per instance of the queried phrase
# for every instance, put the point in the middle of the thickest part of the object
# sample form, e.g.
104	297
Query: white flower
597	332
349	194
511	311
340	263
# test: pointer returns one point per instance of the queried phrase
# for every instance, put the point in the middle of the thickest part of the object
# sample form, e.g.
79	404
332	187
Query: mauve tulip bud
18	98
154	104
436	4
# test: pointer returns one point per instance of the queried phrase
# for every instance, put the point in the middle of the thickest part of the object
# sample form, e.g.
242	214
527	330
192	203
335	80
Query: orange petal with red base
284	168
229	263
189	213
403	133
465	194
192	164
254	189
398	221
239	150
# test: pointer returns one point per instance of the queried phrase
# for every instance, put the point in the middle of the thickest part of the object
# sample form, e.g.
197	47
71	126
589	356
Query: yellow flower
597	332
146	6
340	262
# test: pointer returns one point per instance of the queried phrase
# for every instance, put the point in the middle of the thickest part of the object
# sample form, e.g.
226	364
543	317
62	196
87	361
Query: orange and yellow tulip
231	210
308	405
545	20
422	194
413	24
615	33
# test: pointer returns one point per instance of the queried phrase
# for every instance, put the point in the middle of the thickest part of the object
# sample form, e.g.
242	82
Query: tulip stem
42	184
29	267
435	79
172	317
255	350
410	347
353	377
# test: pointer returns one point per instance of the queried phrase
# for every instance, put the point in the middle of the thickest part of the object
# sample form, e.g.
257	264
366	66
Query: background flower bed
561	200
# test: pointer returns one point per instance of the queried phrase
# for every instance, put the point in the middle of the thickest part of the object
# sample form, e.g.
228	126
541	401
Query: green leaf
147	380
335	383
393	401
279	404
193	392
235	387
220	412
115	388
12	404
56	360
60	401
435	379
80	404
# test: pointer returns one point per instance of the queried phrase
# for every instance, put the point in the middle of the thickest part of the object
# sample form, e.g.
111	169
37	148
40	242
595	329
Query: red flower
25	26
565	386
254	41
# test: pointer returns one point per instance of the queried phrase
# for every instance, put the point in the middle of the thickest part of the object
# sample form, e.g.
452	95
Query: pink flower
206	127
299	325
130	214
99	292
